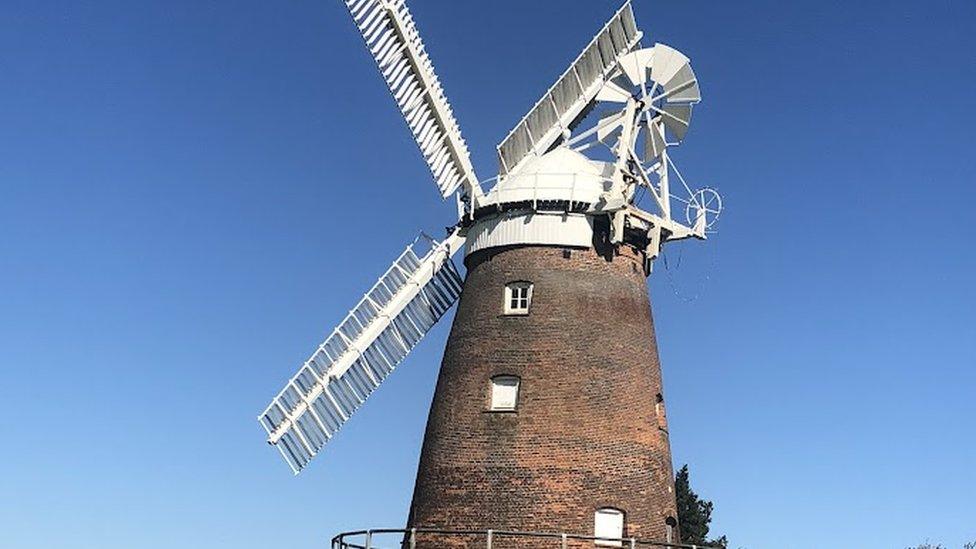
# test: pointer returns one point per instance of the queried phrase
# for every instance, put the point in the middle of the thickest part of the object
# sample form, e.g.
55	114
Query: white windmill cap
561	176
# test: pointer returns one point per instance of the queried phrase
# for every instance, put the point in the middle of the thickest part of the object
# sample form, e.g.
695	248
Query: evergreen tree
694	514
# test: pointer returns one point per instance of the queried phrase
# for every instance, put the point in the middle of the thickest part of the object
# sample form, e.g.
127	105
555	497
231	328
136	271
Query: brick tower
579	428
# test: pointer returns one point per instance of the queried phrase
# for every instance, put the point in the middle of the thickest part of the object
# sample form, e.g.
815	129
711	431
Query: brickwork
588	431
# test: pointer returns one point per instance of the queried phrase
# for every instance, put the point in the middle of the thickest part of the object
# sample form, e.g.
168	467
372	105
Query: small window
504	393
518	297
608	523
662	418
671	524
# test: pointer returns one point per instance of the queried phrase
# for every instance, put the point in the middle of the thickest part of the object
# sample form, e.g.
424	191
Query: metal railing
407	538
575	193
584	187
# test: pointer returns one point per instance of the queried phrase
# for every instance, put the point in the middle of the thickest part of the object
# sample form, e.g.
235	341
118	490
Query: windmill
548	413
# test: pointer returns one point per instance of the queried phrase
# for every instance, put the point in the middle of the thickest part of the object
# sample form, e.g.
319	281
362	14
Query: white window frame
518	298
611	526
502	398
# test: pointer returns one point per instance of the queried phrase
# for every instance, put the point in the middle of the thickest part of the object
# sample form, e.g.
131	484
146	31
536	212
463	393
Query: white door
608	523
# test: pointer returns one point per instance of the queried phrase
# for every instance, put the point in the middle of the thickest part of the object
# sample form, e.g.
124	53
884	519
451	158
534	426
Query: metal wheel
705	203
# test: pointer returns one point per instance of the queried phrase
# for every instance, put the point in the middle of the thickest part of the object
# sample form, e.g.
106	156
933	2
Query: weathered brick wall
589	431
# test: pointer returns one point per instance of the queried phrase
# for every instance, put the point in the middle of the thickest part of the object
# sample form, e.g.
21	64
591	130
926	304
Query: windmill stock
548	416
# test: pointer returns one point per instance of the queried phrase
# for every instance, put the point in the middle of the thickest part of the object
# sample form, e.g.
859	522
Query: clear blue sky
193	193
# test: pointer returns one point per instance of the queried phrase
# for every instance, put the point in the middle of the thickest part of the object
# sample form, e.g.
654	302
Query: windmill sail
392	38
572	93
413	294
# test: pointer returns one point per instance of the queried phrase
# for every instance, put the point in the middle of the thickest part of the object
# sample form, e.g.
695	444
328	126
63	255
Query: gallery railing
408	539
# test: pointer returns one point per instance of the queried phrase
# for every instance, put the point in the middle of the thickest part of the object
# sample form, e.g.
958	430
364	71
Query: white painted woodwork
608	523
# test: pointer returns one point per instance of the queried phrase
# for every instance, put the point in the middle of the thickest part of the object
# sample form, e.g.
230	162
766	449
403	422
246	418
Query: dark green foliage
694	514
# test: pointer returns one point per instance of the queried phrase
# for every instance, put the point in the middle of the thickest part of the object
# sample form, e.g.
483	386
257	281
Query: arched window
662	417
518	298
608	523
671	523
504	393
